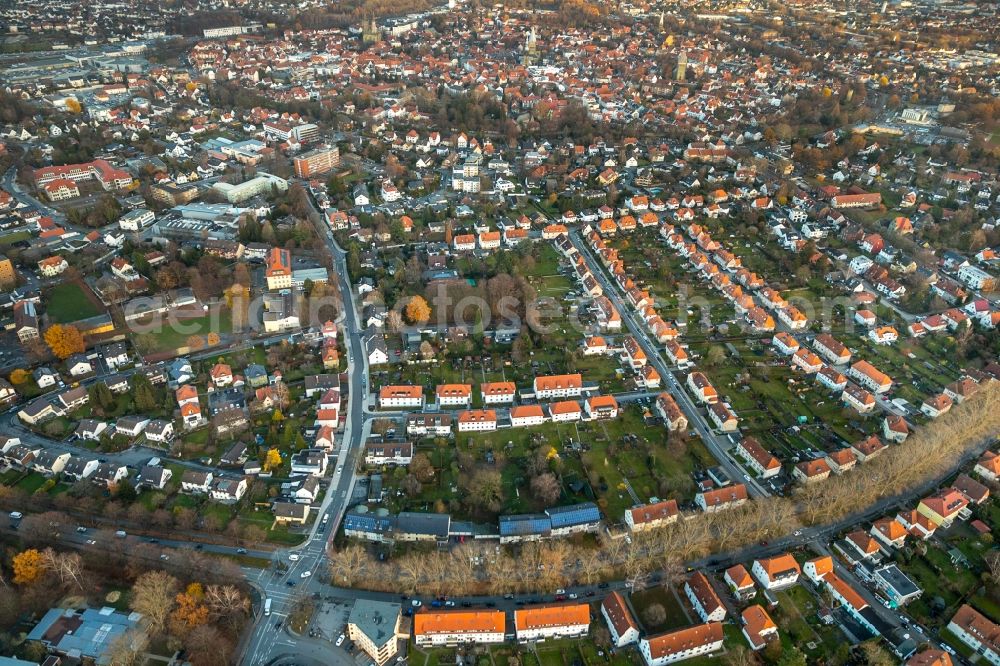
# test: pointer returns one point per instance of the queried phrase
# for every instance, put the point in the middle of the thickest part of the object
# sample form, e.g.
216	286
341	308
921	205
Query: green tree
143	394
101	395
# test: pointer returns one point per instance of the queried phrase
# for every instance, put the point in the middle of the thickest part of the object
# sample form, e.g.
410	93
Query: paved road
266	640
717	444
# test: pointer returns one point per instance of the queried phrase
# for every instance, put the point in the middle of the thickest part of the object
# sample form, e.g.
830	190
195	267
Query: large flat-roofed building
374	626
263	183
110	177
317	161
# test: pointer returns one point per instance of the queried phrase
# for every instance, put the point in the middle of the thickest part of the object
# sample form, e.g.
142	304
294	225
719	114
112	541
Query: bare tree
153	595
128	648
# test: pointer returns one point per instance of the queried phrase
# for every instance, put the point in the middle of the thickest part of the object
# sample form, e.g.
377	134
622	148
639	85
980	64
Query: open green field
14	237
67	302
174	336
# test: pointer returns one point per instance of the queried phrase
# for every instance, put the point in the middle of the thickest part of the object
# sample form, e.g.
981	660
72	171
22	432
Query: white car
305	574
91	542
416	603
293	558
340	640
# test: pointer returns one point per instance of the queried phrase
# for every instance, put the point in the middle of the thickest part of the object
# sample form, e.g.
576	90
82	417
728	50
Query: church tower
682	63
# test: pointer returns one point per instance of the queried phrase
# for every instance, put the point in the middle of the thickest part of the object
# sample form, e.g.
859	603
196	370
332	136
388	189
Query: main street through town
266	641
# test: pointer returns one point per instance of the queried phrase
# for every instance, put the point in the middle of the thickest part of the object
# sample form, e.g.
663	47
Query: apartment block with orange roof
944	506
978	632
620	620
930	657
650	516
988	466
703	598
758	627
740	583
917	524
278	271
497	393
889	532
681	644
775	573
601	407
702	388
453	395
870	377
668	410
524	416
477	420
564	411
458	627
405	396
558	386
759	459
556	621
719	499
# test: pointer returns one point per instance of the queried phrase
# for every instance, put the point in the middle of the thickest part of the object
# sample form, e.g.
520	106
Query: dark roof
577	514
434	524
528	523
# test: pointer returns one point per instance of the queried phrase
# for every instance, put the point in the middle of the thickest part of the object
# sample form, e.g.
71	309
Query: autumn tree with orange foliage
29	565
191	610
64	340
19	376
417	310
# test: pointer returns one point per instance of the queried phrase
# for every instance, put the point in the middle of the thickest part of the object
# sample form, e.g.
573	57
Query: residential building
978	632
458	627
558	386
775	573
703	598
681	644
758	627
374	626
650	516
556	621
621	623
718	499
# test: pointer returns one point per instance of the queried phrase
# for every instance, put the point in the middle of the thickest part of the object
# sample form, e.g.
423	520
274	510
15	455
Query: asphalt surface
267	640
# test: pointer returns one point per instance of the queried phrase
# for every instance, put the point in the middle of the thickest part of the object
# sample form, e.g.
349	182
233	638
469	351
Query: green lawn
625	448
67	302
14	237
173	336
675	614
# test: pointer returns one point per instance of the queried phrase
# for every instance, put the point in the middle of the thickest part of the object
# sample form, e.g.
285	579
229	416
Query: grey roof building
374	627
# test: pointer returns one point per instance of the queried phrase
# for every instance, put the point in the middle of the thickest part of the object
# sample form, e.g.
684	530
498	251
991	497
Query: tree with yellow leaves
64	340
29	565
195	342
191	610
19	376
213	339
417	310
272	459
73	105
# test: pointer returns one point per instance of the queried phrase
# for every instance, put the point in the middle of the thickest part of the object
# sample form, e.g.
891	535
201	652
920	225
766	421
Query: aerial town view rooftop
526	333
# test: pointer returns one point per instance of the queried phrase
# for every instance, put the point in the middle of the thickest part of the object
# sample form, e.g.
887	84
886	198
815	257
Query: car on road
91	542
290	583
560	591
603	586
293	558
164	557
416	603
81	529
340	640
449	603
305	574
241	551
573	595
797	533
